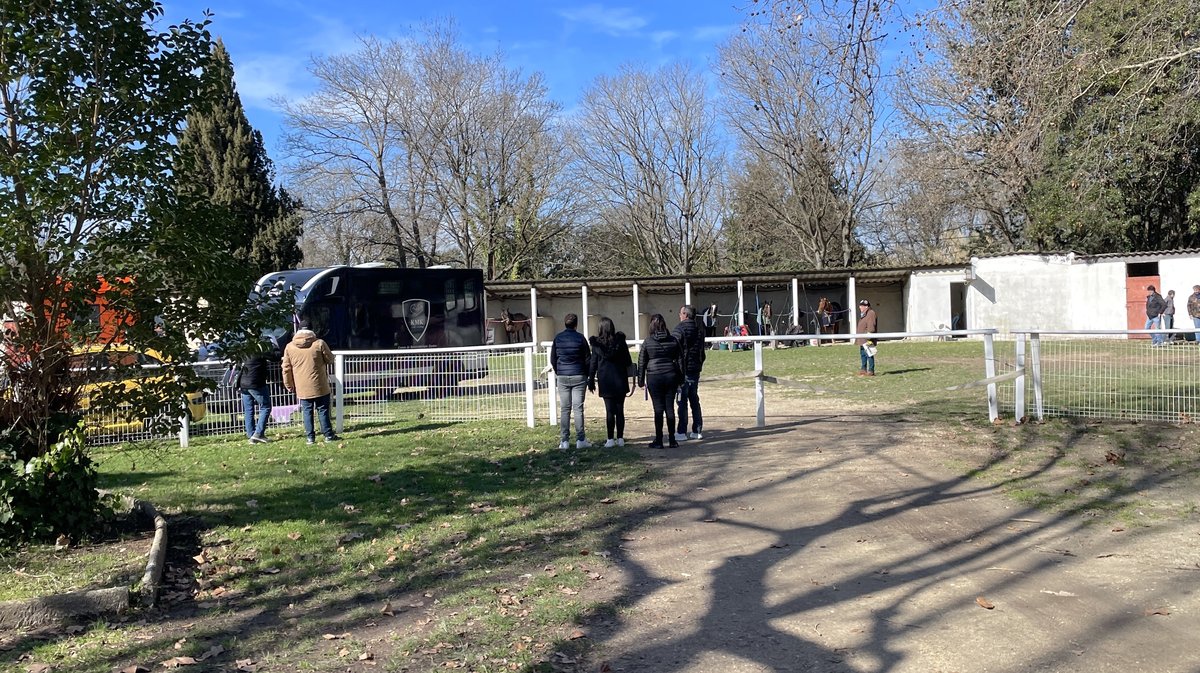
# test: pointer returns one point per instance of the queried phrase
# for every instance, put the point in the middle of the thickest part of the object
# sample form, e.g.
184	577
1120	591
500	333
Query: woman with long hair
660	372
610	375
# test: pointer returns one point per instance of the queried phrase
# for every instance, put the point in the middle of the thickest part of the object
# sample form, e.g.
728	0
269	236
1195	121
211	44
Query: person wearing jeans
320	405
252	381
690	335
570	358
1155	305
306	362
868	323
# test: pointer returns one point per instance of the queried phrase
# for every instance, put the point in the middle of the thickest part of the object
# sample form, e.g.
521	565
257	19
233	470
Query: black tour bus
377	307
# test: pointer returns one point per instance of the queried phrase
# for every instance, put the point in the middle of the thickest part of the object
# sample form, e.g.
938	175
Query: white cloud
262	78
615	21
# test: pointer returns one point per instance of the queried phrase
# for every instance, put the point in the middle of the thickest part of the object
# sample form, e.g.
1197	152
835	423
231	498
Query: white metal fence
1093	374
1107	374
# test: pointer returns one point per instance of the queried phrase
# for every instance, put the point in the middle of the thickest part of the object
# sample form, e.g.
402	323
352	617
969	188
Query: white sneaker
564	445
695	435
609	444
620	441
680	437
583	444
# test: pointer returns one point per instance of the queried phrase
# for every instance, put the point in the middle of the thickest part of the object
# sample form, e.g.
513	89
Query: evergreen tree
222	159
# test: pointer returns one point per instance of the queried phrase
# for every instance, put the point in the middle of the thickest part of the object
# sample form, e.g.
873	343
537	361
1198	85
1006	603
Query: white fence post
529	389
1019	382
989	371
759	396
552	386
339	377
185	431
1035	352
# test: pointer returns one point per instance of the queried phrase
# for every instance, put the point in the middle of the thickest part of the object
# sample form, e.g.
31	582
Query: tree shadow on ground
753	624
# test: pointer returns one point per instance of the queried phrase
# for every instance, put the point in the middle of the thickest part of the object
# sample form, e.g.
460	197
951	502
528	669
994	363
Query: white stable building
1061	291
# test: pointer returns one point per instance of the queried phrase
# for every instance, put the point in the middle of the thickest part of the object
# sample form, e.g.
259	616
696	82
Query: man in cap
867	324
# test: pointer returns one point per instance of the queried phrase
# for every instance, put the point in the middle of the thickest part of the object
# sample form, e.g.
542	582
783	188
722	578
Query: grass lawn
486	520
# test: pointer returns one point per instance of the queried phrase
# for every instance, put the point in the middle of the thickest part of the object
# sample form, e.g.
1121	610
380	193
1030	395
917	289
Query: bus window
469	291
451	297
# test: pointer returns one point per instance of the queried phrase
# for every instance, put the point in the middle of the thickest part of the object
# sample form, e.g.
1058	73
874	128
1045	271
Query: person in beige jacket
306	363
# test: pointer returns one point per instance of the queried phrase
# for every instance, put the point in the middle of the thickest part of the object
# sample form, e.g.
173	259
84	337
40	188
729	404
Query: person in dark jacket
690	334
610	374
253	382
1155	305
570	357
659	373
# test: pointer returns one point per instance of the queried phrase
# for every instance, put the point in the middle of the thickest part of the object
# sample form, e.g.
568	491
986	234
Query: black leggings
662	396
614	416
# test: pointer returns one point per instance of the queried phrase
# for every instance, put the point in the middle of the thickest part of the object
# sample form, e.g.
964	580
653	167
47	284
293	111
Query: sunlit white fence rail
1107	374
989	380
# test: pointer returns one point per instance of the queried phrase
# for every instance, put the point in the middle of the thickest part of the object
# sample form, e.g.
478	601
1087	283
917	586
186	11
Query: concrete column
637	313
687	291
795	301
533	314
583	319
741	308
852	297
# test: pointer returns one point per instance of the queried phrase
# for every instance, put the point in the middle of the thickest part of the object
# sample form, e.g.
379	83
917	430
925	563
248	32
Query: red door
1135	302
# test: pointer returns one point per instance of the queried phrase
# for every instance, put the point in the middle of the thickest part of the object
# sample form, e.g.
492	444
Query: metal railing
1108	374
1098	374
761	377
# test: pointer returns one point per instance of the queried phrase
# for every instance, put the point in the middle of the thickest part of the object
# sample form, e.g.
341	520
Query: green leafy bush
49	495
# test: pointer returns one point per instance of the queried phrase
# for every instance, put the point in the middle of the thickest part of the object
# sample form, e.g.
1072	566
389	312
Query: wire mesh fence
1111	375
1088	374
449	385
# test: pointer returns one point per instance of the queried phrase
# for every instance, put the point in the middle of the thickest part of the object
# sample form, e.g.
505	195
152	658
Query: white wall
1049	292
927	299
1096	295
1179	274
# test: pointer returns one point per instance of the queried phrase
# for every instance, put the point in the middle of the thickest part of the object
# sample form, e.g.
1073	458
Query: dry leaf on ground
984	603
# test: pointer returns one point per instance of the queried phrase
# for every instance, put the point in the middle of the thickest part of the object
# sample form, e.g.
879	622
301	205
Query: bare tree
803	88
351	133
486	134
981	100
648	150
922	218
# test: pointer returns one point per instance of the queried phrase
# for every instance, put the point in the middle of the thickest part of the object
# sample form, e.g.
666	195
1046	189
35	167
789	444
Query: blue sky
569	41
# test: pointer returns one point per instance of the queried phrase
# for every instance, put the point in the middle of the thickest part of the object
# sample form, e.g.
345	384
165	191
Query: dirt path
832	542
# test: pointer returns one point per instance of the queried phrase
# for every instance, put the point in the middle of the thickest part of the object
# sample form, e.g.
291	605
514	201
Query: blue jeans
1152	323
689	395
1196	324
256	397
570	398
868	361
306	412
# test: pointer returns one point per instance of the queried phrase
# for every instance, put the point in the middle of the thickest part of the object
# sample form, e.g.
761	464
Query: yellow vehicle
102	366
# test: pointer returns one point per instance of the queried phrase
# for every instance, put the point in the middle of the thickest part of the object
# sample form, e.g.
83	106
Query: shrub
48	495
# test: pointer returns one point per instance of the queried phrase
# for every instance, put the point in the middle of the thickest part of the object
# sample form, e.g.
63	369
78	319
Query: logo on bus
416	317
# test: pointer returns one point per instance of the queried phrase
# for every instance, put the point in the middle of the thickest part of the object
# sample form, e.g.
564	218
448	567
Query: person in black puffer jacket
570	357
690	334
659	372
253	381
610	372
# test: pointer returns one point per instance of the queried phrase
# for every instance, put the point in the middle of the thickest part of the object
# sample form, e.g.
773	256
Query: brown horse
829	316
517	325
